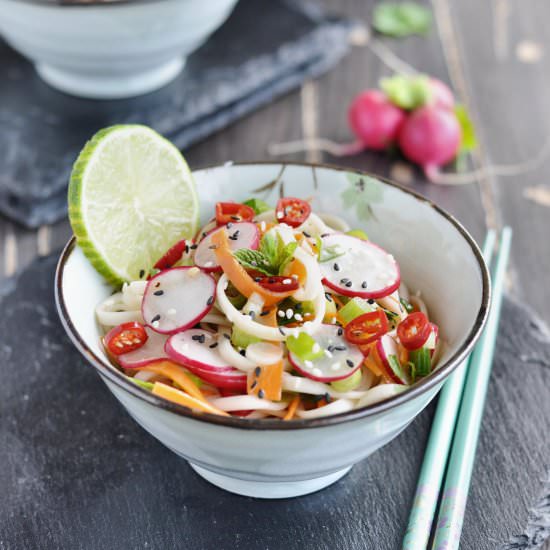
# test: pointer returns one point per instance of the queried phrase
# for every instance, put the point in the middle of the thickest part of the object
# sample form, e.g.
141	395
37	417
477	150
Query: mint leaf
286	256
407	92
469	140
255	260
269	247
401	19
258	205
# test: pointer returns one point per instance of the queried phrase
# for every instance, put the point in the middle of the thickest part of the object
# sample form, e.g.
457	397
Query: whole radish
430	137
442	96
375	120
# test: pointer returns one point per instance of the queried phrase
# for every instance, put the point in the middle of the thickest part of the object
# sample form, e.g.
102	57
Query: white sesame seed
316	348
335	366
289	313
308	364
155	324
281	313
287	281
171	312
263	227
209	264
280	215
194	271
119	344
298	317
317	372
333	321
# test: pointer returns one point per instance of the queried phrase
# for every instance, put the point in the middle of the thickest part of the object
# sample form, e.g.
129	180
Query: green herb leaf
269	247
408	306
401	19
407	92
259	206
255	260
286	256
330	252
469	140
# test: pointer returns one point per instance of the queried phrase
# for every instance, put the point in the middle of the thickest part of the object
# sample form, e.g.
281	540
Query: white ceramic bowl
110	51
270	458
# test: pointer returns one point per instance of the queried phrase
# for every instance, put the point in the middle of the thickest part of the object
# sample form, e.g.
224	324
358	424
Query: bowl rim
108	371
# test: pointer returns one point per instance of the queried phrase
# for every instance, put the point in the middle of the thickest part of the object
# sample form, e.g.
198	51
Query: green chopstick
437	449
461	461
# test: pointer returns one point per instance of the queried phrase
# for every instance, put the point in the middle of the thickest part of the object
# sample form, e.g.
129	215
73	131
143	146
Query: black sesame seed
252	314
193	246
271	281
187	249
213	247
210	301
225	335
340	331
214	345
155	319
204	233
242	352
348	284
330	349
235	218
344	280
325	235
340	348
158	292
370	301
298	307
141	273
257	279
281	331
257	371
157	285
253	385
200	338
364	284
328	297
261	394
266	312
349	363
229	225
336	267
306	234
327	397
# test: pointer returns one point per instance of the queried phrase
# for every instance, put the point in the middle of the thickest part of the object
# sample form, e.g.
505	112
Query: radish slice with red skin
340	358
386	347
240	235
177	298
433	339
364	269
151	351
230	380
191	348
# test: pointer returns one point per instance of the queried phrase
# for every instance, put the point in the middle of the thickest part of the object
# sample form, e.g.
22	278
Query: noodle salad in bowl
271	311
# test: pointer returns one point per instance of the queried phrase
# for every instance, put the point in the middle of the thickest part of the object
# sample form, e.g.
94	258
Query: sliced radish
241	235
363	269
230	380
389	355
177	299
151	351
433	339
340	359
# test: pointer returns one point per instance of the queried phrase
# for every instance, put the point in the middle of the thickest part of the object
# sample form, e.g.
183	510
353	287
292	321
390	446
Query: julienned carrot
266	381
291	411
182	398
175	372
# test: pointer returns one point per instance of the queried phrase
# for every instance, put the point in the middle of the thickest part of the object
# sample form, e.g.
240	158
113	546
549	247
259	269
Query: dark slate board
76	472
266	48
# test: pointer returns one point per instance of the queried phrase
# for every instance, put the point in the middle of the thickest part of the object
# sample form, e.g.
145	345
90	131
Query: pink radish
241	235
375	120
197	350
389	355
177	299
340	359
433	339
430	137
363	269
151	351
442	96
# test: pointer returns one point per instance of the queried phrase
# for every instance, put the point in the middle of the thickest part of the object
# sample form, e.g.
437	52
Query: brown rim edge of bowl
108	371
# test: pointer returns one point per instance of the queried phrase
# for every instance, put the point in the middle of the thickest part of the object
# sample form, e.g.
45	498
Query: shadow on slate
77	472
266	48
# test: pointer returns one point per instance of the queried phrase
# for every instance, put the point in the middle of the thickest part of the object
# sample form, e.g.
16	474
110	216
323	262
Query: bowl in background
269	458
110	51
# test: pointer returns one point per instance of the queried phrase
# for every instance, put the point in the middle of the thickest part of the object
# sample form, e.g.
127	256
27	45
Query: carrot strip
291	411
174	372
182	398
268	380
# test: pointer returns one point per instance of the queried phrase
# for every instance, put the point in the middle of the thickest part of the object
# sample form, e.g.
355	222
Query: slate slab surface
77	472
266	48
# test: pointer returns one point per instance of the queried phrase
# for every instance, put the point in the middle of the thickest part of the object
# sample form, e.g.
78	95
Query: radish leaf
401	19
407	92
469	140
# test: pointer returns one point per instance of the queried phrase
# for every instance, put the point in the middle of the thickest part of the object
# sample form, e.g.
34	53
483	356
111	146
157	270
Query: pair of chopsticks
453	438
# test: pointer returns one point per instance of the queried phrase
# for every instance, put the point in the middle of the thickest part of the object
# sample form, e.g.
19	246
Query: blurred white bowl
271	458
110	51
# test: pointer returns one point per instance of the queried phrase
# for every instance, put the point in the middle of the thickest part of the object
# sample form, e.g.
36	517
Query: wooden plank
511	105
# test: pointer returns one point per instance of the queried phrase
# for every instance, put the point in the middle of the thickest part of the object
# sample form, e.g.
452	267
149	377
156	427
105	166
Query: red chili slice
292	211
414	330
277	283
367	328
229	212
173	255
124	338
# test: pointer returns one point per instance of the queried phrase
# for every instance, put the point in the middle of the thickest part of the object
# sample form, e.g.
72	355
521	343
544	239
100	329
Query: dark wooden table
491	52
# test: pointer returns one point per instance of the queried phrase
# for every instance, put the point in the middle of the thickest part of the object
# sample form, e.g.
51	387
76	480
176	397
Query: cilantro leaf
258	205
401	19
407	92
469	140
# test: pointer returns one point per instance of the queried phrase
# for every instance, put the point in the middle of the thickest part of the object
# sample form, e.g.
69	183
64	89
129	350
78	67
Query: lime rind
131	196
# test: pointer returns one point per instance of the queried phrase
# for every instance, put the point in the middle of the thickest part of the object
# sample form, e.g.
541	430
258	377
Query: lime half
131	197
